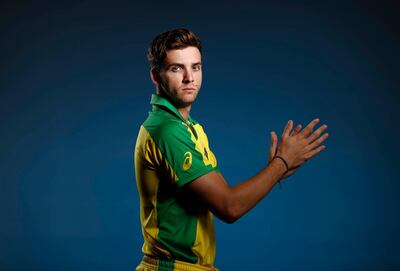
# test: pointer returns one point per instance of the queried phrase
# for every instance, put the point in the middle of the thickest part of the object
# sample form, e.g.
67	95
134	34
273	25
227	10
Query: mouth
189	89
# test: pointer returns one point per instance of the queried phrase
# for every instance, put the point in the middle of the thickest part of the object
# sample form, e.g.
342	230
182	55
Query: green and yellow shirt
171	152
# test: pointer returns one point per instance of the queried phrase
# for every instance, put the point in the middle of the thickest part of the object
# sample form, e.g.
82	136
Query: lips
188	89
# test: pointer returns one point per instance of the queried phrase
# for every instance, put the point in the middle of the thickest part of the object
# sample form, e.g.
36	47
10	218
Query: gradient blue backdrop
75	88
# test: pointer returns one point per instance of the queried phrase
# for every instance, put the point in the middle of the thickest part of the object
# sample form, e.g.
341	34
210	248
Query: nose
188	77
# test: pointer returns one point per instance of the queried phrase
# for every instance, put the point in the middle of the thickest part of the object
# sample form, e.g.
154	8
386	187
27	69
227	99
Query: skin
180	78
181	70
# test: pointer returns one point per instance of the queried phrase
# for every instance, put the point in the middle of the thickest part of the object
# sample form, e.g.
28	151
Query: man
179	183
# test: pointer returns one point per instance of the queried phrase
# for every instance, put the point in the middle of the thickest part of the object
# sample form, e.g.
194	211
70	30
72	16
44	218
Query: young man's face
180	77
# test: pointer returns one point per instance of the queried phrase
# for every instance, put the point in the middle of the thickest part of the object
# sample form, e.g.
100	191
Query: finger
272	148
308	129
296	130
317	133
314	152
317	142
288	128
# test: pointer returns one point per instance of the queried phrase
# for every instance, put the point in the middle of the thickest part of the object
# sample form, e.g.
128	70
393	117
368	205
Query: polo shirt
169	153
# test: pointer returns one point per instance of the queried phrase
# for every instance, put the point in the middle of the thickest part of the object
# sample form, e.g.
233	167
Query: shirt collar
157	100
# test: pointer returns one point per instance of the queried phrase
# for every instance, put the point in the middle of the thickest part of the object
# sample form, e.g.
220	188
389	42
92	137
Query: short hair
178	38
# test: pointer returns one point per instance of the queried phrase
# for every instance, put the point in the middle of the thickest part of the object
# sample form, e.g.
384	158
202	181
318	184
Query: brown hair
173	39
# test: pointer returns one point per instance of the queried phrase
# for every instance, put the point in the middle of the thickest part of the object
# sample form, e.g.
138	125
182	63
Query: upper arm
185	159
214	192
193	166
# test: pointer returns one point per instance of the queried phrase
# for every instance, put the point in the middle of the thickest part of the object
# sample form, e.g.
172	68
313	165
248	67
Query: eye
175	68
197	67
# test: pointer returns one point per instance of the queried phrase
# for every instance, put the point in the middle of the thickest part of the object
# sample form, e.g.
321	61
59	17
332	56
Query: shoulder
164	129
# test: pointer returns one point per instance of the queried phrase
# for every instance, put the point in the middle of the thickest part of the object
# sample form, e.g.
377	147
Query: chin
188	98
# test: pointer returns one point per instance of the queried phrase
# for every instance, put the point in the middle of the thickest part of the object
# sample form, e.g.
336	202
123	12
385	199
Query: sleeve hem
196	175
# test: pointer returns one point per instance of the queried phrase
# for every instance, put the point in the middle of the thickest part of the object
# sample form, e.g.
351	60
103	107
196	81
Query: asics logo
187	160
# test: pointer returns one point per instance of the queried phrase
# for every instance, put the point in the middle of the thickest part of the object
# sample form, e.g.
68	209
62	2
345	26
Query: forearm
245	195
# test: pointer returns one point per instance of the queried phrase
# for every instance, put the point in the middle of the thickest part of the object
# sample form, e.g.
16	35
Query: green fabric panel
177	225
176	144
166	265
177	222
177	213
174	140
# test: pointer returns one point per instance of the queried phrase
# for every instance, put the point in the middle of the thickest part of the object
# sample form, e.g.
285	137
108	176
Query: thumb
272	148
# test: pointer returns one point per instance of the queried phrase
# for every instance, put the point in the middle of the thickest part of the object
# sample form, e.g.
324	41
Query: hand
300	147
273	149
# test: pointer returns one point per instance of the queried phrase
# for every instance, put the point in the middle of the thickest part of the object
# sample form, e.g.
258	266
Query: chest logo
187	160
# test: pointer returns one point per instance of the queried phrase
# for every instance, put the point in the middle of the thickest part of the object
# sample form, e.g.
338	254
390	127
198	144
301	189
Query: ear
155	77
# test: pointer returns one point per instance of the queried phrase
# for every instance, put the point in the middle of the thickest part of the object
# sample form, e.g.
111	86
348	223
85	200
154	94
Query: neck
185	111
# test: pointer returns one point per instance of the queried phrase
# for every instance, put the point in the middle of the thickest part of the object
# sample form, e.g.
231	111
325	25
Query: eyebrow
181	65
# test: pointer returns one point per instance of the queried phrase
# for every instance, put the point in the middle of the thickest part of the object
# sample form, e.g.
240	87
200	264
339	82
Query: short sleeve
185	156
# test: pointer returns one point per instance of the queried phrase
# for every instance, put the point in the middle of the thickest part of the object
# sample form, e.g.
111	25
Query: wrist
283	160
279	165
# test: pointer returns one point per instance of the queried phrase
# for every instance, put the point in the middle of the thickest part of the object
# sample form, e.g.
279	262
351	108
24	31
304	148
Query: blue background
75	88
